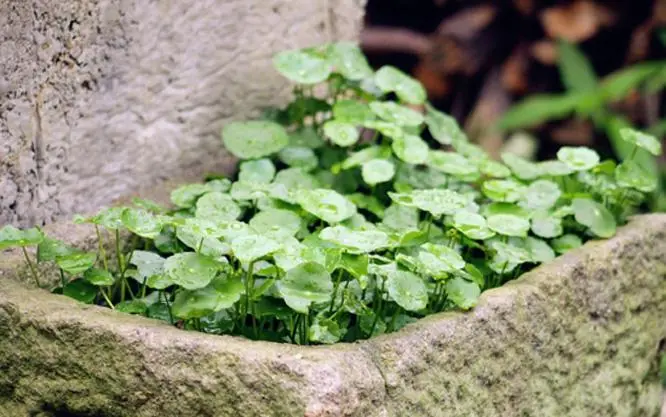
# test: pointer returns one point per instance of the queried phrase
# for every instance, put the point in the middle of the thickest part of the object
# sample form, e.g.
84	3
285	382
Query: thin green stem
119	254
633	152
304	330
335	290
378	311
33	270
166	301
63	281
106	298
294	326
102	251
249	284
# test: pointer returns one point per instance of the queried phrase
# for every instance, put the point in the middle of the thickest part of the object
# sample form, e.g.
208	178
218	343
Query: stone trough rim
489	300
378	377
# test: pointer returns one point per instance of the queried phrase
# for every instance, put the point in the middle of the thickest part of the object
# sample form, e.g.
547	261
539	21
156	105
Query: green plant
588	97
342	222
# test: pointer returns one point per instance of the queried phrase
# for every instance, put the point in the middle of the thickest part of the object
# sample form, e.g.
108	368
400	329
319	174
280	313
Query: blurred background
527	75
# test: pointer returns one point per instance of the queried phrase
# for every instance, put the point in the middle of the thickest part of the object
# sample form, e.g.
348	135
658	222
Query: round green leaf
190	270
221	293
261	171
99	277
252	247
356	241
595	216
202	236
507	257
395	113
222	185
391	79
307	137
566	243
554	169
630	174
108	218
439	260
521	168
80	290
539	250
341	133
399	217
49	249
327	205
305	284
508	224
642	140
579	158
325	331
246	191
147	263
10	236
407	290
349	61
299	156
276	222
504	208
377	171
296	178
302	66
463	293
443	127
132	307
352	111
546	225
254	139
411	149
472	225
186	195
540	195
217	206
451	163
141	222
436	202
507	191
388	129
494	169
159	281
362	156
77	262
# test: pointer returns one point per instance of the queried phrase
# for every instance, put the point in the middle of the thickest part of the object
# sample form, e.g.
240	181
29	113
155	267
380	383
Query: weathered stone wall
100	97
579	337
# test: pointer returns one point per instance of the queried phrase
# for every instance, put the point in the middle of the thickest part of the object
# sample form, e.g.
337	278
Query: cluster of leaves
356	209
588	97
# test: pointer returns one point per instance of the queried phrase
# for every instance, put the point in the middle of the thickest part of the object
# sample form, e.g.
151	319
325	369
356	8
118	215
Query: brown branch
385	39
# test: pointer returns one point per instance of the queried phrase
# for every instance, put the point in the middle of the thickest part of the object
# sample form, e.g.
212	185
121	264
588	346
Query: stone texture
578	337
100	97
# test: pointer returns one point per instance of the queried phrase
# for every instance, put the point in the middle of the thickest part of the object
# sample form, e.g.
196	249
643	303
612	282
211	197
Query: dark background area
476	58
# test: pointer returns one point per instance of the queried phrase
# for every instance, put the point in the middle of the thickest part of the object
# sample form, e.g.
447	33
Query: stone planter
579	337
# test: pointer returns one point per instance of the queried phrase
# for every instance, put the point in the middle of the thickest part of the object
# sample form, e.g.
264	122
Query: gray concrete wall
101	97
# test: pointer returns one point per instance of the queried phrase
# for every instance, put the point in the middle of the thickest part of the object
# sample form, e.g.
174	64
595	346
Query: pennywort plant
356	209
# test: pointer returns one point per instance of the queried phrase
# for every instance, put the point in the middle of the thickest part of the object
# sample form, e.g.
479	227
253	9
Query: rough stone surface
99	97
578	337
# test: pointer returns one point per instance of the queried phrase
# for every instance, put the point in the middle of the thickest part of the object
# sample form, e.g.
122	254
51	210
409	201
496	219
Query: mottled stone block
100	97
